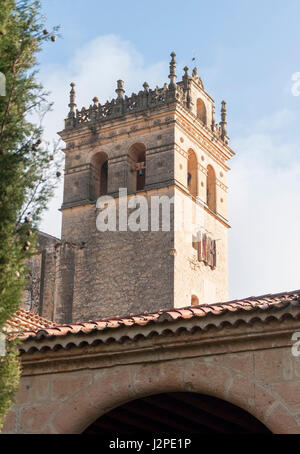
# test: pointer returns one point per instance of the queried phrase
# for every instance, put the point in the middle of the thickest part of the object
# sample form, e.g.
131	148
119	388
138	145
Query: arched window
201	111
195	300
99	175
192	180
137	157
104	178
211	189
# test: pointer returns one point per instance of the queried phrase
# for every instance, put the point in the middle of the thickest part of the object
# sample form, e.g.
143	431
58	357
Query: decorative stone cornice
143	102
181	151
196	133
79	168
136	103
187	342
160	149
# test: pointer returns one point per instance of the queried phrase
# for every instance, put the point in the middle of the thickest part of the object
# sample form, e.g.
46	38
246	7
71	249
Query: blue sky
247	52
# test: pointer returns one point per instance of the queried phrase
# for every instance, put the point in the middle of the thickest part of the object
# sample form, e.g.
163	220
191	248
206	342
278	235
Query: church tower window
211	189
192	180
100	174
201	111
137	155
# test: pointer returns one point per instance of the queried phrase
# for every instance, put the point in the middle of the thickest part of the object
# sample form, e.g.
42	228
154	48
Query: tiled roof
25	321
264	308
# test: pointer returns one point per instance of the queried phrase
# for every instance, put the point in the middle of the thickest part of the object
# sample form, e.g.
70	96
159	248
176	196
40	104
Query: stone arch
99	179
192	173
79	398
188	412
137	167
201	111
211	188
122	386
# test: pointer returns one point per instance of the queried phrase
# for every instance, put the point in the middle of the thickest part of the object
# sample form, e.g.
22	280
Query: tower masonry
161	145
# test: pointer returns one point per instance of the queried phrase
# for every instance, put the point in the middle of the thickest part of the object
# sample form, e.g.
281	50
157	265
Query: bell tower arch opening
211	189
192	177
99	165
201	111
189	413
137	156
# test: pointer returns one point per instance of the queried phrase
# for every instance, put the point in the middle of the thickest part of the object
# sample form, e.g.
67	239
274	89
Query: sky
247	52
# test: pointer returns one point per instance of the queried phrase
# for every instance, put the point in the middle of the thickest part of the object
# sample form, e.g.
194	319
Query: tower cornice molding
114	130
197	136
203	131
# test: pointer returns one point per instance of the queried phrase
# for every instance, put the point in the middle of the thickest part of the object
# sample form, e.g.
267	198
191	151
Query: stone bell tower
161	142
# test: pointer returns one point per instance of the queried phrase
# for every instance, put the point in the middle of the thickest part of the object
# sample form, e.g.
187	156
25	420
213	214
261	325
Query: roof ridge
176	309
29	322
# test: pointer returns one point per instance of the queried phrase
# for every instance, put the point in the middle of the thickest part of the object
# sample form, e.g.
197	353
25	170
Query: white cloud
283	118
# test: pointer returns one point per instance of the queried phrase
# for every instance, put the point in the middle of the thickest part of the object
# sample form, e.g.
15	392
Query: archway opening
211	189
137	156
99	164
192	180
188	413
104	178
201	111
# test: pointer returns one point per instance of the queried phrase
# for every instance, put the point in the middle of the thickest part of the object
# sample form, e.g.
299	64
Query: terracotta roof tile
36	327
186	313
198	311
174	314
27	321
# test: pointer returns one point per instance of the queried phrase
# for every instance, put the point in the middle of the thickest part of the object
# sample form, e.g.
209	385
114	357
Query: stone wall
250	366
118	273
194	278
40	290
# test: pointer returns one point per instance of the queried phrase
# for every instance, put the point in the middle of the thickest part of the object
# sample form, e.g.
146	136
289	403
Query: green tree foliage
27	166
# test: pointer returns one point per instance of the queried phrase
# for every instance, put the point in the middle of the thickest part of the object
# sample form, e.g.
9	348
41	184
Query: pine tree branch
9	100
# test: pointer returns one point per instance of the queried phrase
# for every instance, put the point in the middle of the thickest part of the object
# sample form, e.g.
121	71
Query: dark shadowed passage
177	413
